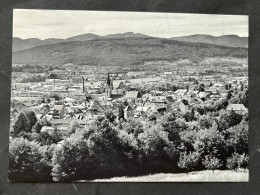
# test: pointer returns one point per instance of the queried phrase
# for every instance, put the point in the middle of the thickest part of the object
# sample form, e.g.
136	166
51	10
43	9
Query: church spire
109	82
108	79
109	87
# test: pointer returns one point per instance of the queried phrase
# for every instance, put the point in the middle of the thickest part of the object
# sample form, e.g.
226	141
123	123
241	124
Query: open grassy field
199	176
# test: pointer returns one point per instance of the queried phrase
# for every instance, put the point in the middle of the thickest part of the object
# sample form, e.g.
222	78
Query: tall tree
121	112
201	87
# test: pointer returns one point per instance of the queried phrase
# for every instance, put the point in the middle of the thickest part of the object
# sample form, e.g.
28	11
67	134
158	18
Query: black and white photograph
113	96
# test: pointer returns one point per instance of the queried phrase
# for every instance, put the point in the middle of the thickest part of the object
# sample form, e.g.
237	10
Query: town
131	96
83	93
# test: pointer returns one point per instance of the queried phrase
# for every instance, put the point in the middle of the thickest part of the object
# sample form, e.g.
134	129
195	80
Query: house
128	112
57	111
160	101
118	84
181	93
80	96
47	129
39	116
91	115
184	106
61	122
45	109
28	104
132	96
237	108
151	107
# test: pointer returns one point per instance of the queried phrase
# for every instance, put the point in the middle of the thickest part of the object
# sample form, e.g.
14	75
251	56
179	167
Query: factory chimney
83	84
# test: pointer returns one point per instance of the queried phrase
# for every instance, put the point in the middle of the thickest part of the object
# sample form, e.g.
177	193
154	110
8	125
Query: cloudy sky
45	24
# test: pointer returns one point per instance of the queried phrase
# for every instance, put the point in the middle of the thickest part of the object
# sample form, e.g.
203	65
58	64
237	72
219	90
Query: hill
122	51
226	40
21	44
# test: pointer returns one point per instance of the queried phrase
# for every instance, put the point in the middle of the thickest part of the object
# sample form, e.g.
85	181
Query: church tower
109	87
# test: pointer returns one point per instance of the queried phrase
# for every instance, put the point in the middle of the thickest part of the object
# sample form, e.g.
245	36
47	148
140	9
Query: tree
205	121
157	149
228	119
132	126
27	162
20	124
121	112
38	126
189	115
220	104
229	95
201	87
210	141
73	126
56	97
25	121
53	76
237	138
226	86
172	126
243	97
70	160
31	120
110	116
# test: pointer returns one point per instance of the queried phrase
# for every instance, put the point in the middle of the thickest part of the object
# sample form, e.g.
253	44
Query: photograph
113	96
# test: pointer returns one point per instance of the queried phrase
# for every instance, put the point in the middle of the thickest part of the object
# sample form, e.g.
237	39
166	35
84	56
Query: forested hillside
123	52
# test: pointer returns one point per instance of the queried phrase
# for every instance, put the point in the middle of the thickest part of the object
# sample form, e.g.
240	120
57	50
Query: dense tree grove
202	138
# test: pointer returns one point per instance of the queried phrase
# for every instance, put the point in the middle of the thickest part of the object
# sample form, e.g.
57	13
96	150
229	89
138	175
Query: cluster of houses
86	103
88	92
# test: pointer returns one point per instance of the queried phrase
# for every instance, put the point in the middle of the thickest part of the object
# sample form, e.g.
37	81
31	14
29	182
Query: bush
189	161
243	161
211	162
237	161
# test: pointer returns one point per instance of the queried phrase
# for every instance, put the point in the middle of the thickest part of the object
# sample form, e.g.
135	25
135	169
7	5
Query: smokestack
83	84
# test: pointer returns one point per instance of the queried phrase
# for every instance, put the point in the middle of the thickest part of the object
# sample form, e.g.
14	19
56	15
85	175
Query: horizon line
133	33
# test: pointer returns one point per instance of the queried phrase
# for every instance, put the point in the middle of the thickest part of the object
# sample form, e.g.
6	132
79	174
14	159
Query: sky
44	24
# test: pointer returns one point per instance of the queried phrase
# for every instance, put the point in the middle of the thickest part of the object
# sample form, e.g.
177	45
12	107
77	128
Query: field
198	176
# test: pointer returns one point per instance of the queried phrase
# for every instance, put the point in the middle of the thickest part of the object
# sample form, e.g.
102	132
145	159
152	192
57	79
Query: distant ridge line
224	40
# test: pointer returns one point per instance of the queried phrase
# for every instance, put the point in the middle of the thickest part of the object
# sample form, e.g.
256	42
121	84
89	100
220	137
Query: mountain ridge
122	51
225	40
21	44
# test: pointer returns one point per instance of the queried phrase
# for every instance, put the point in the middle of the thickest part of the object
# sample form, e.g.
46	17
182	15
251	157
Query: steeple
109	87
109	83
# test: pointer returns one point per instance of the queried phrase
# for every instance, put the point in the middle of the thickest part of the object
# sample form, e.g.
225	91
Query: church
108	87
109	90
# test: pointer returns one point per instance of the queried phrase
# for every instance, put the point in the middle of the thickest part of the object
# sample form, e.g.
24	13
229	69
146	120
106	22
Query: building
128	112
57	111
132	96
108	87
237	108
184	106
